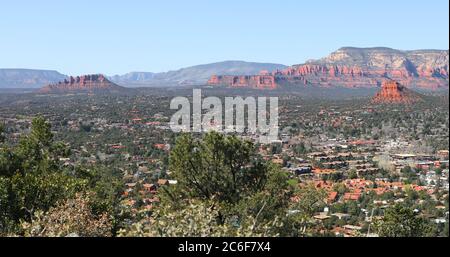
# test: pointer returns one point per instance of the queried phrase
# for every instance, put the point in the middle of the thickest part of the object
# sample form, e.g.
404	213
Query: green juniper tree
33	180
401	221
222	174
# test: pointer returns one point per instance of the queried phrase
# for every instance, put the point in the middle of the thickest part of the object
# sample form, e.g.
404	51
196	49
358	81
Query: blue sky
115	37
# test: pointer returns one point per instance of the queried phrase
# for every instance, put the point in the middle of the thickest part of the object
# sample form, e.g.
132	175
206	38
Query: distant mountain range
348	67
26	78
196	75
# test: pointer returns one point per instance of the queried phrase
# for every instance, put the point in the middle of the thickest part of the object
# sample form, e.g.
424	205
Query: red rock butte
96	82
393	93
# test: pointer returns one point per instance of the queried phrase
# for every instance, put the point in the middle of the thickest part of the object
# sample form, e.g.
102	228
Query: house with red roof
332	197
352	196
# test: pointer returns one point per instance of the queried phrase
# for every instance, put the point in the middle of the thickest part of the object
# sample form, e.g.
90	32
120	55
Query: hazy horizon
116	37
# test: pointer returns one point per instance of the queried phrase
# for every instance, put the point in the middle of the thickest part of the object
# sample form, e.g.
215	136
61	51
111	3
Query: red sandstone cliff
96	82
359	68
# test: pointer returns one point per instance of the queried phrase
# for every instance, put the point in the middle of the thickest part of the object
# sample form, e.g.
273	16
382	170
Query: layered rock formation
364	68
256	82
90	83
393	93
